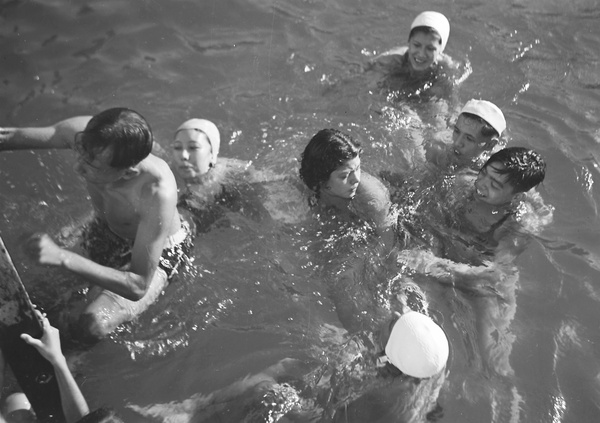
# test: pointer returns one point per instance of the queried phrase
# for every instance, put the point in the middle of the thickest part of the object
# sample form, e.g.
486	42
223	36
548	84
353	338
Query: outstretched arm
73	403
59	135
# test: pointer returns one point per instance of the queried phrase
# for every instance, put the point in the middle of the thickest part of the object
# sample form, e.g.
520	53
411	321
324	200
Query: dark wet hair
325	152
523	167
424	30
487	130
101	415
125	131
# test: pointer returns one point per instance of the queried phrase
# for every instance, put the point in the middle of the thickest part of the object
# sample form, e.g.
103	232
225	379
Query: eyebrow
491	177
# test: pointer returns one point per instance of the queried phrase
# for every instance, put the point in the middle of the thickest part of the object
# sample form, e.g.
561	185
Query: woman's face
192	153
423	50
343	181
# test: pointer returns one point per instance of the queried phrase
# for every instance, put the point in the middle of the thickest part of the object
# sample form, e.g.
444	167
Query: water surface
271	74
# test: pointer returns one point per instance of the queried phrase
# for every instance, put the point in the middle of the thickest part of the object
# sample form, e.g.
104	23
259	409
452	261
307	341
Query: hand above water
41	248
49	344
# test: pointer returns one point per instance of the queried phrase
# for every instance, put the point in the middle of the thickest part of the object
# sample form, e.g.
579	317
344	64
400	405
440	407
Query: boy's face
467	141
96	168
343	182
192	153
423	50
491	187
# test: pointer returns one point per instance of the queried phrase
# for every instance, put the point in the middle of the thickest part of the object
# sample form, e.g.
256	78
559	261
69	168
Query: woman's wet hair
424	30
487	130
124	131
524	168
325	152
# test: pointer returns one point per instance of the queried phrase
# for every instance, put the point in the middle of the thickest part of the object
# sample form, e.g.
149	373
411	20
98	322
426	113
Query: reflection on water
271	74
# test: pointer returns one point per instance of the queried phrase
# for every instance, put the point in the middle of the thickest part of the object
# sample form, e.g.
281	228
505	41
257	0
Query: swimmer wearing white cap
415	357
204	179
195	149
194	153
477	130
427	41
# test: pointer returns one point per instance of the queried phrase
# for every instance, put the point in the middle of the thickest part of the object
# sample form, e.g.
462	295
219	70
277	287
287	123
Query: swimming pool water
271	73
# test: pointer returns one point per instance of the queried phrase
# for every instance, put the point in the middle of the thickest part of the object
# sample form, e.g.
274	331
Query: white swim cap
211	131
438	22
417	346
487	111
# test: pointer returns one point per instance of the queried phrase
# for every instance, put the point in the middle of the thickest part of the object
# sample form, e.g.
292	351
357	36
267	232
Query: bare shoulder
372	200
372	187
157	178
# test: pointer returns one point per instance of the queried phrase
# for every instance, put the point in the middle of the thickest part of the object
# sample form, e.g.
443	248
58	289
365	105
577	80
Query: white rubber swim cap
436	21
211	131
487	111
417	346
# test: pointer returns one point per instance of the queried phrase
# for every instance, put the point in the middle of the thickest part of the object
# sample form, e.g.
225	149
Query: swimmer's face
423	50
192	153
343	182
96	168
491	187
467	141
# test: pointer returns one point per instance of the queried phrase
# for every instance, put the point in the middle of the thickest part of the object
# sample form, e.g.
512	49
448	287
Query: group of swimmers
140	235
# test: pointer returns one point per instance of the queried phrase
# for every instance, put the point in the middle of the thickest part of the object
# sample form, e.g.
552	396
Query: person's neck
496	209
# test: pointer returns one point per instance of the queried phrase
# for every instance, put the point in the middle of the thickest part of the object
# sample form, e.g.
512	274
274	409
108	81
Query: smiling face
423	50
467	140
192	153
491	186
343	181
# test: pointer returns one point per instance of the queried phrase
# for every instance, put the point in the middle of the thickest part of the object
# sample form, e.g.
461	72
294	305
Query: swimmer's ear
492	142
520	196
131	172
